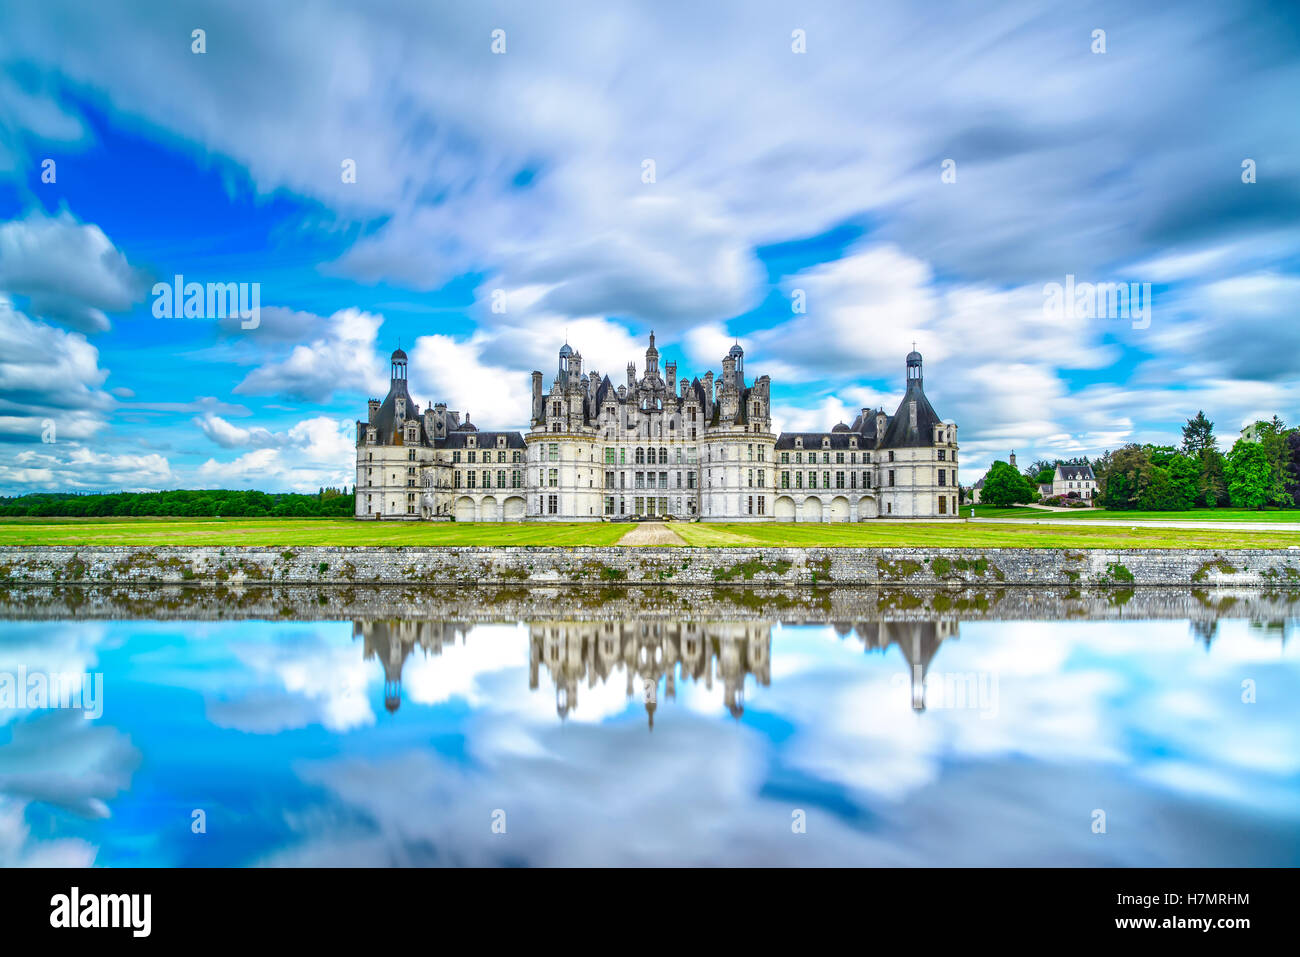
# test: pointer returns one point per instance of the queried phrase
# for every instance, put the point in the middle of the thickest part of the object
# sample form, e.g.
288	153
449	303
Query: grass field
965	535
301	531
321	531
1095	514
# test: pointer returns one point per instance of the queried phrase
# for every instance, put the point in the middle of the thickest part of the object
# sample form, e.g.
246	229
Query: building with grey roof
655	445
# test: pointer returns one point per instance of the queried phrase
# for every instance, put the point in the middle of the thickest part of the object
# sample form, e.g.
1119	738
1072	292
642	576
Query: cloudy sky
519	178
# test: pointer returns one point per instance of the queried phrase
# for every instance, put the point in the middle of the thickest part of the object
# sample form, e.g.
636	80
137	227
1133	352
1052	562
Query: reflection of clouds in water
294	678
63	647
18	849
697	792
62	759
1067	693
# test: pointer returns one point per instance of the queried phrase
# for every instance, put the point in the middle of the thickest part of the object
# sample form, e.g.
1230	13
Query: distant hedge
331	503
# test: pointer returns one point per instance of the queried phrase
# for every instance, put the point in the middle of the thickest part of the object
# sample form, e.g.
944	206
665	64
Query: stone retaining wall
242	566
562	603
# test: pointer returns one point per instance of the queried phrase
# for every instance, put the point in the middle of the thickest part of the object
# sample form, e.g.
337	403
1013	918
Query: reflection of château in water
392	641
648	653
918	641
651	652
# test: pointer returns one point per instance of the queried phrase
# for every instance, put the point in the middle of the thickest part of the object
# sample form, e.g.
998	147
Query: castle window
553	452
941	454
455	456
472	456
410	455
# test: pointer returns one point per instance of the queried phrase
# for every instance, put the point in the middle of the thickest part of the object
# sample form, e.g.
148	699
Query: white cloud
315	452
70	272
341	359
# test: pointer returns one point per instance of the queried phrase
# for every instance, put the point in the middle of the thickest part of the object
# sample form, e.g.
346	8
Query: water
658	727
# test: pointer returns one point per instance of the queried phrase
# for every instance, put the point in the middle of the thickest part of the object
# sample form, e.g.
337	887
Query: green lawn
968	535
321	531
301	531
1091	514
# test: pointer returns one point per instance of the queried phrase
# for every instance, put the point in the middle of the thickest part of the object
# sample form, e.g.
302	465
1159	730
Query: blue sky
520	174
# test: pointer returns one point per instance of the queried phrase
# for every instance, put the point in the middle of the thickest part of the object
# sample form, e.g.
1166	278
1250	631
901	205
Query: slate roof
389	433
1077	473
901	434
812	441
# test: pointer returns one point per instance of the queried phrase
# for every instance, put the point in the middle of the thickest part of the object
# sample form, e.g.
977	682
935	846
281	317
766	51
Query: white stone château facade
655	445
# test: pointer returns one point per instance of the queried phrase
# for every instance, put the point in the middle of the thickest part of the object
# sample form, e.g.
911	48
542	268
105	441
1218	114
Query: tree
1160	493
1185	474
1213	483
1128	473
1292	478
1004	486
1198	435
1249	475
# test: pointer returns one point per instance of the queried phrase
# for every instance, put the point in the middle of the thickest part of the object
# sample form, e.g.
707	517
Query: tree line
1259	473
222	503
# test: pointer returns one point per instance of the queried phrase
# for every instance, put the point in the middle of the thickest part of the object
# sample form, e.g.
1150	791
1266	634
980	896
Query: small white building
1074	481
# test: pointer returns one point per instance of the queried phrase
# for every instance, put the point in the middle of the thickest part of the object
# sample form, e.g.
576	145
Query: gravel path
651	533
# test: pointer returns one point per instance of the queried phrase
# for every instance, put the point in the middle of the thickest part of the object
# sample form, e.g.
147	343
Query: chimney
670	373
708	387
374	410
537	398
